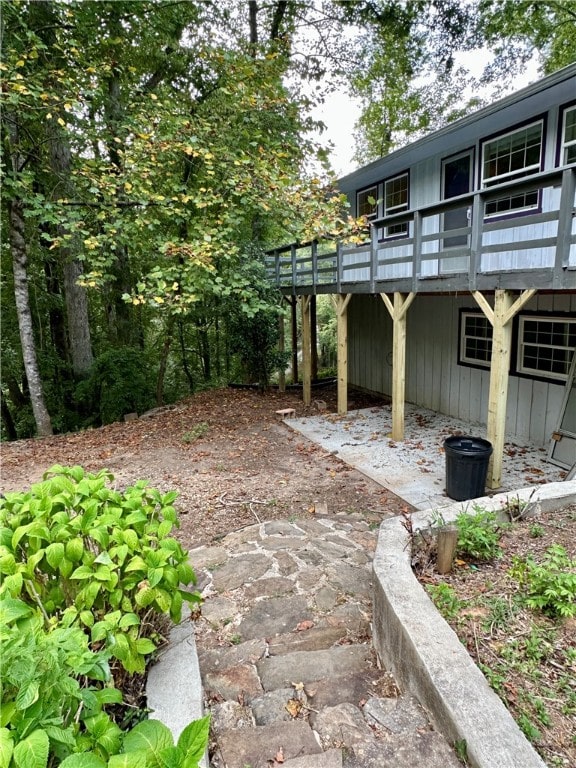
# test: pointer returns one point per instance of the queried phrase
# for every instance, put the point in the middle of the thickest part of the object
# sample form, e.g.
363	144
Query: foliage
121	381
478	534
49	694
198	430
254	335
93	557
445	599
517	30
84	568
550	585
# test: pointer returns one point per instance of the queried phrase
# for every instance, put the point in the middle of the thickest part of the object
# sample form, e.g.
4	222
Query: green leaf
27	695
82	572
83	760
149	735
12	609
129	620
32	752
55	554
6	746
145	646
194	738
132	759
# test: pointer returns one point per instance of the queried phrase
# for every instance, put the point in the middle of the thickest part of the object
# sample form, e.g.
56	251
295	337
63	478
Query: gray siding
433	377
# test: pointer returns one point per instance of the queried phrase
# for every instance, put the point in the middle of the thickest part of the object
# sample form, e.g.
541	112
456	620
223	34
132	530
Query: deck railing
534	247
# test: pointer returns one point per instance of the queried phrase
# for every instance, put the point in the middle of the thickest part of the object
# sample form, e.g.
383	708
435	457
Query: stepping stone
274	616
257	746
308	666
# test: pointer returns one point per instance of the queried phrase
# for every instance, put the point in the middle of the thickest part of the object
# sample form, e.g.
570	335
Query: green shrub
84	569
121	381
478	535
96	558
550	585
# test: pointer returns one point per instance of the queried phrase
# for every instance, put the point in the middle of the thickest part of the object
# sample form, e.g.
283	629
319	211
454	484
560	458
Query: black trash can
466	466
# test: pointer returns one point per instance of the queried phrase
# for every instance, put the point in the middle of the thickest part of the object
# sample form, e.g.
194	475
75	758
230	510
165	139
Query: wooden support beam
281	349
294	324
398	312
341	302
306	351
313	338
505	309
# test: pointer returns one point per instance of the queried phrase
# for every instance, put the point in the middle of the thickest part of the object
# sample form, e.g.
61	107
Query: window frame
373	188
562	144
512	175
519	369
386	234
463	358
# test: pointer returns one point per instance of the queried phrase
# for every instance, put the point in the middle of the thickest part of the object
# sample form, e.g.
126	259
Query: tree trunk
19	263
164	361
7	420
78	322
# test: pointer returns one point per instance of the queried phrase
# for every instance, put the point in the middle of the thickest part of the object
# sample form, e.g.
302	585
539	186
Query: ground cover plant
516	614
89	575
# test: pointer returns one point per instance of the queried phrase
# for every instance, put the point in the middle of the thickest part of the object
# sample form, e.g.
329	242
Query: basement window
545	347
475	339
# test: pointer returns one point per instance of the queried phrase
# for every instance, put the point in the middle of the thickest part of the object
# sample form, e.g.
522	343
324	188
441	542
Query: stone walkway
284	644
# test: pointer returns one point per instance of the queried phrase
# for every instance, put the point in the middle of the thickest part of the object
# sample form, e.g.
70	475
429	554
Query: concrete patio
415	469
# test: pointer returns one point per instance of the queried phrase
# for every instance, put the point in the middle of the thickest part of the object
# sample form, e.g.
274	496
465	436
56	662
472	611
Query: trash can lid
467	444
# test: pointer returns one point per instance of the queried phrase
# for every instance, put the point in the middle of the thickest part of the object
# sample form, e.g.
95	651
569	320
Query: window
475	339
569	136
545	345
366	204
395	201
512	156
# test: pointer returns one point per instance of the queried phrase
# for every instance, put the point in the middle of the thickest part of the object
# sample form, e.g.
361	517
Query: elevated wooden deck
532	249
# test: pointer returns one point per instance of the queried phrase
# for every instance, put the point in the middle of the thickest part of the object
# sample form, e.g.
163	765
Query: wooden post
505	309
306	351
293	314
281	348
398	312
313	338
447	539
341	302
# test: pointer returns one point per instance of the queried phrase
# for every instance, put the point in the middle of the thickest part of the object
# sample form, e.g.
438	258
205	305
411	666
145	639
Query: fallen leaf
293	707
280	755
303	625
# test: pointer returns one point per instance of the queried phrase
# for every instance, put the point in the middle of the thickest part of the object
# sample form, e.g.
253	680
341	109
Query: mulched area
528	657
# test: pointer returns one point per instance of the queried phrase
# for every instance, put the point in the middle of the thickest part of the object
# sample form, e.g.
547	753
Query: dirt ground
225	451
528	657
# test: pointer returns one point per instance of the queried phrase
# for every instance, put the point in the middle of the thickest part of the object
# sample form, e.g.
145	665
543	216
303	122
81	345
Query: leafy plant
479	534
93	557
445	599
54	688
550	585
198	430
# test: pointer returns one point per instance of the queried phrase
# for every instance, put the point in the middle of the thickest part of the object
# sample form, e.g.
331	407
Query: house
463	300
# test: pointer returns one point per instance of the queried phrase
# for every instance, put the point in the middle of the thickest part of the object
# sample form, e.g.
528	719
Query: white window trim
565	144
463	336
388	210
536	372
534	167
